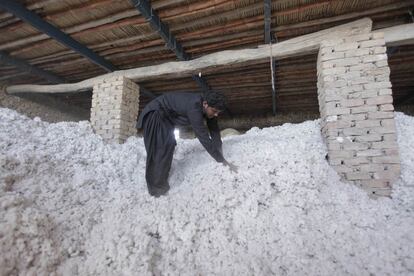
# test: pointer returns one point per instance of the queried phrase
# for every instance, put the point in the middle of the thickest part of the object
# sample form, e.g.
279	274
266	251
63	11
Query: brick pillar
115	108
357	114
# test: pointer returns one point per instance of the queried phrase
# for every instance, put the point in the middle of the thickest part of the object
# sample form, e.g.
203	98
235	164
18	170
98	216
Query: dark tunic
158	120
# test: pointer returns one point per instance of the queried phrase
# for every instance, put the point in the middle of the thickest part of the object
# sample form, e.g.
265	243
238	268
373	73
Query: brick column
357	114
115	108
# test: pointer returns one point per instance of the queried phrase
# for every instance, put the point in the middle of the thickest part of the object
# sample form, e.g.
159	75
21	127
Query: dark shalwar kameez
158	120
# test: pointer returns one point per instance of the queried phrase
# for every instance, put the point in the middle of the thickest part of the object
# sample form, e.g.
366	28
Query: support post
357	112
115	104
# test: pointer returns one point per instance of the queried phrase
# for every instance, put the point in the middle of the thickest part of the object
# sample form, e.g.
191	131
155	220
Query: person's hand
231	166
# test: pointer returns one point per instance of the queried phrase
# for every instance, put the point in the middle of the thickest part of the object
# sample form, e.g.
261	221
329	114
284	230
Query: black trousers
159	143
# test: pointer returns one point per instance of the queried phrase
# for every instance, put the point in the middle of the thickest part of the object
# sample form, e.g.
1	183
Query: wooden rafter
297	46
26	67
163	30
37	22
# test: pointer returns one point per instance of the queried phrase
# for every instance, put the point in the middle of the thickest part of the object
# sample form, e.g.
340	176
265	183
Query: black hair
215	99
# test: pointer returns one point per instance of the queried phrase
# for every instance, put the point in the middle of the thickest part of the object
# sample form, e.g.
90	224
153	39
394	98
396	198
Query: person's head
214	103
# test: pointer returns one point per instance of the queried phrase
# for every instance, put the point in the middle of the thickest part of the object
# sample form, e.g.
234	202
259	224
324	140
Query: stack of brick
115	108
357	114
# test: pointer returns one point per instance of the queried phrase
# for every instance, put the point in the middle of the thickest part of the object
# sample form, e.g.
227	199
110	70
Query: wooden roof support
399	35
12	76
144	7
162	29
28	43
25	66
298	46
43	26
33	19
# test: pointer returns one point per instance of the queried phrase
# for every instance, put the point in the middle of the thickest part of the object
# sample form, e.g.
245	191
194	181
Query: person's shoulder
195	101
191	100
186	95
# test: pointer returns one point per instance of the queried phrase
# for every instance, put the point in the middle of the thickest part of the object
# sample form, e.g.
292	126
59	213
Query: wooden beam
27	67
232	26
70	30
47	28
399	35
122	18
12	76
348	16
163	30
294	47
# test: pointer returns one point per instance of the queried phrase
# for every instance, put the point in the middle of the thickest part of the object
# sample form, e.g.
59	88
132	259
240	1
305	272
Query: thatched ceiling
116	31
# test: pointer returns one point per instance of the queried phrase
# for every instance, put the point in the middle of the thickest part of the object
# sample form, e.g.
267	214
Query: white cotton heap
72	205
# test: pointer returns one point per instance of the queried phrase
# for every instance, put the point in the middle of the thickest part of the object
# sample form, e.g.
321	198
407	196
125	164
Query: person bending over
158	120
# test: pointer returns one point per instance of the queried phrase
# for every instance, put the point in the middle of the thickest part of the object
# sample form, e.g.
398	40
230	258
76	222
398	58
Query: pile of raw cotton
72	205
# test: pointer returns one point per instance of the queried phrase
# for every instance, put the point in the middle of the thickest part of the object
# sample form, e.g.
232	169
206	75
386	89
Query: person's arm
201	131
214	129
216	138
